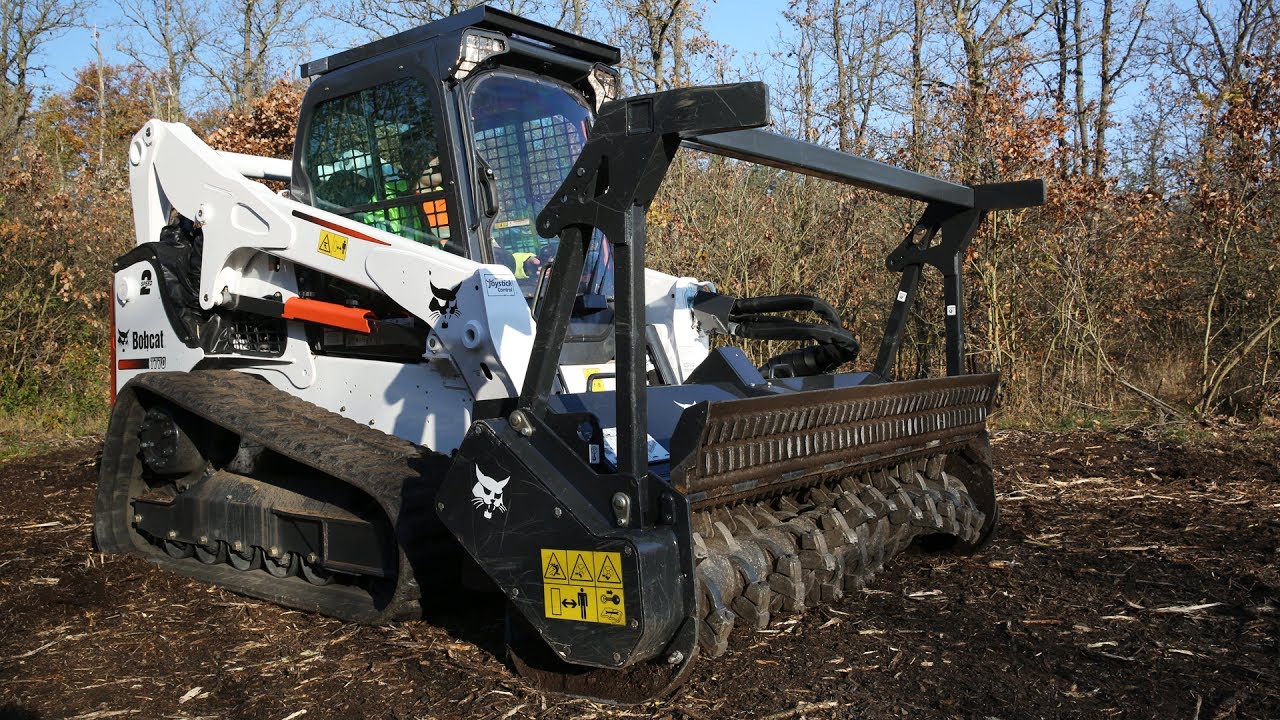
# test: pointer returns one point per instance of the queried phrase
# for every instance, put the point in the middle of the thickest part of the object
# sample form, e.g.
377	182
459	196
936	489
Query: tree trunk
1082	122
1106	90
244	90
842	76
918	31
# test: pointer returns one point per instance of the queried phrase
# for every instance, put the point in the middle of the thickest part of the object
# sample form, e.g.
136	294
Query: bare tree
841	58
872	29
842	103
26	26
658	39
1079	50
989	36
162	36
798	54
241	55
919	30
1116	44
380	19
1211	50
573	16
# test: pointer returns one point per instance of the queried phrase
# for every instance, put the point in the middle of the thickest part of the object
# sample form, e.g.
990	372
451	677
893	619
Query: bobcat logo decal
487	493
122	337
444	302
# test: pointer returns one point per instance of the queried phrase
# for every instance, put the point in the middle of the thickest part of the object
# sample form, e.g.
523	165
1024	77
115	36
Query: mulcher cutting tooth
752	603
788	577
815	557
784	575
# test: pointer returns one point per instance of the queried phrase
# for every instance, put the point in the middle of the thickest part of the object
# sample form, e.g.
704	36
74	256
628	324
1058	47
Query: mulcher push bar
766	148
628	152
610	187
954	212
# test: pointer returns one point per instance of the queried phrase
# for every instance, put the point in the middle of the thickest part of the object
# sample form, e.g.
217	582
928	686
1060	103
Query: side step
400	477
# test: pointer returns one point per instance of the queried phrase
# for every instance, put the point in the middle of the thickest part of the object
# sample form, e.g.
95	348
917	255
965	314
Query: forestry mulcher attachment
440	350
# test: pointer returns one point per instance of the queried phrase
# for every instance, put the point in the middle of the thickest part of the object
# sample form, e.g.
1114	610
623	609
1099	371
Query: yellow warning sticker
333	245
597	384
583	585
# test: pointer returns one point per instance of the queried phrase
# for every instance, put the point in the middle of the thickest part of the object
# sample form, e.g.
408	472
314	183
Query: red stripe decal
111	293
138	364
339	228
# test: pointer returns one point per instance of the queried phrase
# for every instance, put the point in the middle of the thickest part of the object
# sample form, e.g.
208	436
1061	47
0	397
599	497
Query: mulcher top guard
445	337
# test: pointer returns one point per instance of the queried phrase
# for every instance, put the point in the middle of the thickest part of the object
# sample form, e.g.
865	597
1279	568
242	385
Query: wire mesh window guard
372	156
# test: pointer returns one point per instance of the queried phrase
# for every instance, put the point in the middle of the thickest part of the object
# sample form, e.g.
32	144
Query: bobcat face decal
487	493
122	337
444	302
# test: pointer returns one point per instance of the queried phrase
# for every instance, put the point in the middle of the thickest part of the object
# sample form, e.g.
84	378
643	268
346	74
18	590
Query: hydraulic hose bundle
759	318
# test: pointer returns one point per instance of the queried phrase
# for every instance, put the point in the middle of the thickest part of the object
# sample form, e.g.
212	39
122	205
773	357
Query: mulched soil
1132	577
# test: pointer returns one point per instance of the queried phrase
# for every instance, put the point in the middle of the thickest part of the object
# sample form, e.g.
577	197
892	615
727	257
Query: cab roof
483	17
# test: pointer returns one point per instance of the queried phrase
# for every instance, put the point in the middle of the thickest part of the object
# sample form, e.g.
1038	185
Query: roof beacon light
477	46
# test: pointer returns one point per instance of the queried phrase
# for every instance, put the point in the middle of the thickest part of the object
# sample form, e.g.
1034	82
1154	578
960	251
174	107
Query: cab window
372	156
530	131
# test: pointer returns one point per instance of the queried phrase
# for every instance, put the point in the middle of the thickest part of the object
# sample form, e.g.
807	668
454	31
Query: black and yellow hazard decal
333	245
583	585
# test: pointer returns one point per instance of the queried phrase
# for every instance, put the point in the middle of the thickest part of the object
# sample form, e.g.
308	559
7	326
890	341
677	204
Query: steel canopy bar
767	148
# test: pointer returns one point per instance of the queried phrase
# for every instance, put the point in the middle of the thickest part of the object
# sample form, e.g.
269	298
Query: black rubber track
400	476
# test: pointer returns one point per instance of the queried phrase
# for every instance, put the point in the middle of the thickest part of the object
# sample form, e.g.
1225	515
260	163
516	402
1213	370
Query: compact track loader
439	351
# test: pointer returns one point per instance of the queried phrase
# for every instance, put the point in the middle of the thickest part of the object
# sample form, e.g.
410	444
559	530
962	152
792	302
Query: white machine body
254	239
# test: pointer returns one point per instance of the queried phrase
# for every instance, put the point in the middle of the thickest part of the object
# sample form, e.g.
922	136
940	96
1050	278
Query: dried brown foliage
56	249
266	127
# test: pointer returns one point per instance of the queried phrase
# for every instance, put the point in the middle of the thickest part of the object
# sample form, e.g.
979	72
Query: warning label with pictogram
333	245
581	562
607	572
553	567
583	585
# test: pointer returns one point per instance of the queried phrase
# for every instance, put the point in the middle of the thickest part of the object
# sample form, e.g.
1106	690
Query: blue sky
746	25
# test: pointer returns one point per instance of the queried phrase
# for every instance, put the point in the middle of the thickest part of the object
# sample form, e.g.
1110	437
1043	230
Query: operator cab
455	135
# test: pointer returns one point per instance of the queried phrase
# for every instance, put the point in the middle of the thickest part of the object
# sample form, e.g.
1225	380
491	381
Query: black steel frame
939	238
610	188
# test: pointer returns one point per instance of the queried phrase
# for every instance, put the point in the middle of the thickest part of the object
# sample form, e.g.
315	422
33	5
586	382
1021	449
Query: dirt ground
1132	577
